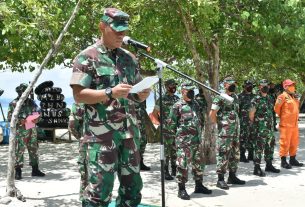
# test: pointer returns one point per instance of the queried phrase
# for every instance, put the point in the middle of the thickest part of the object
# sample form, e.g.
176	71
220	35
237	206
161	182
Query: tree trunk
212	67
11	190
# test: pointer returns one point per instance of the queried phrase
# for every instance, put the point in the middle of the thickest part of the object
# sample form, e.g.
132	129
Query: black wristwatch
108	92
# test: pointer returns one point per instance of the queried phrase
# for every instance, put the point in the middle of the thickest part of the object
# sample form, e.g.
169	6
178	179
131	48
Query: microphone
128	41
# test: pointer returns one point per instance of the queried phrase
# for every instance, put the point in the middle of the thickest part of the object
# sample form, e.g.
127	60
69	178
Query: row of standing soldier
103	75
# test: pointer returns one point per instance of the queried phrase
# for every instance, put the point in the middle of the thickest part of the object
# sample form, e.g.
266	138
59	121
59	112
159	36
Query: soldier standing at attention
185	120
141	109
261	115
245	139
168	100
25	138
103	75
287	108
225	115
76	122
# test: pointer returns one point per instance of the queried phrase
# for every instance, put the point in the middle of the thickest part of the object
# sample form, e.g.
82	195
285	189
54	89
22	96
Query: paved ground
60	187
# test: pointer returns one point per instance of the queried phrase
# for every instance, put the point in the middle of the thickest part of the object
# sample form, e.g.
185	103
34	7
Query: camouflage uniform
185	120
141	109
25	138
227	143
245	137
168	134
76	128
111	135
264	139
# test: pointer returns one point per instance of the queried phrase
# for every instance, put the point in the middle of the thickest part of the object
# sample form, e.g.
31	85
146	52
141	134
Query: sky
60	76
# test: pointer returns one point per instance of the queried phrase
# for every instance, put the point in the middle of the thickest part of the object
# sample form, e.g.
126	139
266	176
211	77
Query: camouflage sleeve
174	117
80	74
216	104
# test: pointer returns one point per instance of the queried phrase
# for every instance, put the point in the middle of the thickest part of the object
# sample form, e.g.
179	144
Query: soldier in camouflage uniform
25	138
185	120
203	107
245	139
261	114
225	115
103	75
76	121
168	100
141	109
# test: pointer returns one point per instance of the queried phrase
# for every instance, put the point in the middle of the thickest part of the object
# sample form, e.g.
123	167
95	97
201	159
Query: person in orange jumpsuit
287	108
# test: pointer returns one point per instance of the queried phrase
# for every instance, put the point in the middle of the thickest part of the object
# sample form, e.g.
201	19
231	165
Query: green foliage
257	38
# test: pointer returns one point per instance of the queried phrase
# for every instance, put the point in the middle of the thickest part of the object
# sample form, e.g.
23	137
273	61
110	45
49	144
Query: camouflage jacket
28	107
263	118
244	106
98	68
203	107
185	120
76	120
227	116
167	102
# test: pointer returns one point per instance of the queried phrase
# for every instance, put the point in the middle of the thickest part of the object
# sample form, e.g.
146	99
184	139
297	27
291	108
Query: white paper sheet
144	84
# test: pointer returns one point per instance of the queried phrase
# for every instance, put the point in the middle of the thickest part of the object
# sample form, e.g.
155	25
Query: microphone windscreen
126	39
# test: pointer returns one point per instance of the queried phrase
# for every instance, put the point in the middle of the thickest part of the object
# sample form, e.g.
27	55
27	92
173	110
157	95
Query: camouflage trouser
227	154
170	150
28	139
82	167
245	137
113	154
188	152
263	144
143	139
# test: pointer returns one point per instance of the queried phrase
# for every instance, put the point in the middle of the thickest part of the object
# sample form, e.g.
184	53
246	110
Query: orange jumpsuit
287	108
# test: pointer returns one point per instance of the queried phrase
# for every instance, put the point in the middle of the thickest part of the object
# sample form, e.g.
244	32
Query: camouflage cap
170	82
187	86
116	19
263	82
229	80
248	82
21	88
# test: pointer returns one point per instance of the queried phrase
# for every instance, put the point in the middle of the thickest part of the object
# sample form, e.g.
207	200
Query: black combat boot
250	154
243	157
294	162
18	173
167	176
143	167
270	168
199	188
232	179
174	170
221	183
182	192
284	163
258	171
37	172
